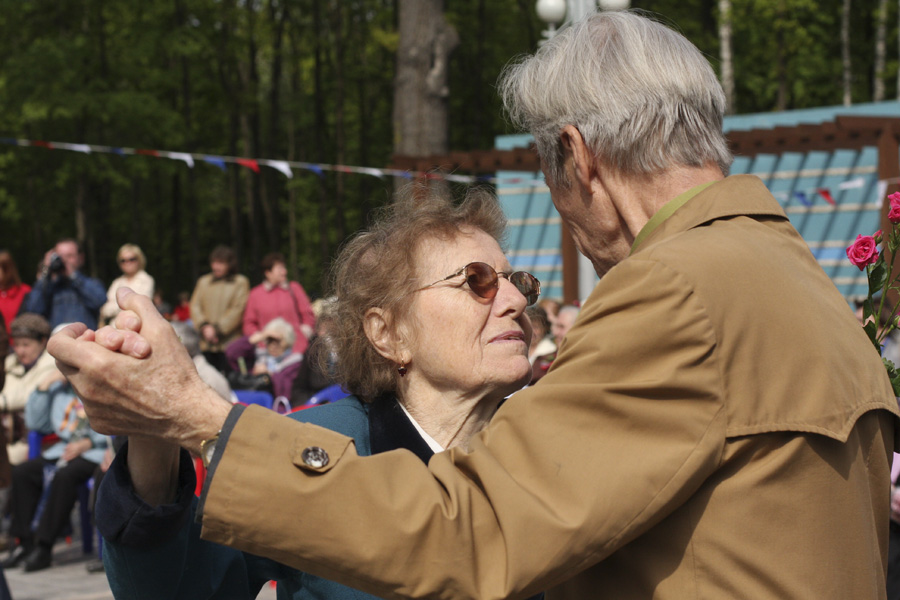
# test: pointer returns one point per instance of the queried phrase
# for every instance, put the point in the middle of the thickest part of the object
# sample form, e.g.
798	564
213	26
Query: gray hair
643	97
189	337
281	327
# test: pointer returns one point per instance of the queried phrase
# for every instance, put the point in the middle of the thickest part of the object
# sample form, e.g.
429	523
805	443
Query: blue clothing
152	553
55	411
75	299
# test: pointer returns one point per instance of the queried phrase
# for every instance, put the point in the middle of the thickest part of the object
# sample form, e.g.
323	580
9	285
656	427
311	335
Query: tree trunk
725	55
880	51
340	134
420	85
845	53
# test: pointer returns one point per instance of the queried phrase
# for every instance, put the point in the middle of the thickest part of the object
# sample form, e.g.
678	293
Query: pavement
68	579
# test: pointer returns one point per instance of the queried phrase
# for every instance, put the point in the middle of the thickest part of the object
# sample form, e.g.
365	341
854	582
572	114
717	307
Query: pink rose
862	252
878	235
894	213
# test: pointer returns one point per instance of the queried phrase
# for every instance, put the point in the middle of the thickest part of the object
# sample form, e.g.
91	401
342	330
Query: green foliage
306	80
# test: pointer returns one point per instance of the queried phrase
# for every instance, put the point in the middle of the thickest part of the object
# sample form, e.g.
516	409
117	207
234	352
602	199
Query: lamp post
552	13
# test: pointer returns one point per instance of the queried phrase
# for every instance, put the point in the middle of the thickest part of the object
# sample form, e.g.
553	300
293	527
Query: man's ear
381	335
576	151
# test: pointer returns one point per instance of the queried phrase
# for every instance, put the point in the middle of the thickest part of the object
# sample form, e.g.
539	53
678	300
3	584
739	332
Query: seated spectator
565	318
52	408
209	374
542	351
278	297
25	368
182	312
62	293
317	371
132	263
217	305
164	308
270	351
12	290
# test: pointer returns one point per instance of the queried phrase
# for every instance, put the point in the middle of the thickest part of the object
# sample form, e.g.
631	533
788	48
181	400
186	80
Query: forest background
317	81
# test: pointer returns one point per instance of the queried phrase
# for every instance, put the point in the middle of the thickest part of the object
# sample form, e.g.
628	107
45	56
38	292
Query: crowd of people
233	334
682	444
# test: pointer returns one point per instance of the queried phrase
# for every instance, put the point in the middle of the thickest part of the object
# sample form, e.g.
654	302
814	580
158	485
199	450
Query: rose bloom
878	235
862	252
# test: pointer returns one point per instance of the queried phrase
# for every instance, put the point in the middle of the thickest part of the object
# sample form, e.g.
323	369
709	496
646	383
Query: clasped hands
136	378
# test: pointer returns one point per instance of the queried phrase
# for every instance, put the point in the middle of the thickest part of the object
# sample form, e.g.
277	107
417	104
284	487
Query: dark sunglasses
273	340
485	281
128	260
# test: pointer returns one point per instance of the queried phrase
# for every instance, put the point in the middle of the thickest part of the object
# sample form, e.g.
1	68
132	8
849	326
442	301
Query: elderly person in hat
25	368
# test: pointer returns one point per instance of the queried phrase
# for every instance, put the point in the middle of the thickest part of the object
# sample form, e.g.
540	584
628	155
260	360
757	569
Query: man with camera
62	293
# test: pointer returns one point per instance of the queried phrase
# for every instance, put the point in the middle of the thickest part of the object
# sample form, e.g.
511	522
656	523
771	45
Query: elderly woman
132	262
270	351
431	336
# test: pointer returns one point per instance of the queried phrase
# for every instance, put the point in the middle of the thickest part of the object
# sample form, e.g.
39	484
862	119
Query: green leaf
877	277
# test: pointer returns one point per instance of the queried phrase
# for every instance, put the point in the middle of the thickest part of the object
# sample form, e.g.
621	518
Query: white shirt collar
435	447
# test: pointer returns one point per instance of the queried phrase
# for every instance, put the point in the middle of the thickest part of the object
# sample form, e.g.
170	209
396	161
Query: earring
402	369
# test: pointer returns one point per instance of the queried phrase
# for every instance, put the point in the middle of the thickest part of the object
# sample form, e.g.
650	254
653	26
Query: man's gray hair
643	97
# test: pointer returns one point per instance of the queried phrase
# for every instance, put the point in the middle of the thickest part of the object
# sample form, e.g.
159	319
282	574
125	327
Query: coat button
315	457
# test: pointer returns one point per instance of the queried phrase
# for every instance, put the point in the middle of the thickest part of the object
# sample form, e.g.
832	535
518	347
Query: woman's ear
381	335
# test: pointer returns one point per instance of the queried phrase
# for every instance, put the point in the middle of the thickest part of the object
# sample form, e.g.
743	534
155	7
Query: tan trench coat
716	426
220	302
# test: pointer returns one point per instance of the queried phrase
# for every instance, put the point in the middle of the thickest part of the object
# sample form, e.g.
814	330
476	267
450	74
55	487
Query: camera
56	266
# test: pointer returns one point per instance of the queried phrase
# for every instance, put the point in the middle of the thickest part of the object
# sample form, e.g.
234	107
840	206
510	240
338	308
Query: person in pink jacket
278	297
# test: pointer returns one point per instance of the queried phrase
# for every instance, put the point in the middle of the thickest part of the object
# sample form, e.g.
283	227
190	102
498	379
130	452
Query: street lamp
552	13
614	4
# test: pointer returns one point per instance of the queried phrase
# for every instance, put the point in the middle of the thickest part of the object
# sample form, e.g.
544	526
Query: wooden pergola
843	133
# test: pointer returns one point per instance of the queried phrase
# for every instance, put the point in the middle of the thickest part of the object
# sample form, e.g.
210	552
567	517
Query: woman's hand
260	369
76	449
49	379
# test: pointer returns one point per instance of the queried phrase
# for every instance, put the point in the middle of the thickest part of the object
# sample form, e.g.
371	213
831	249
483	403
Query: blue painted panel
793	178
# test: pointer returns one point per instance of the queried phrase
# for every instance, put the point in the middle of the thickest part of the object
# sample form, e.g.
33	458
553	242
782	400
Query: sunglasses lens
482	279
527	284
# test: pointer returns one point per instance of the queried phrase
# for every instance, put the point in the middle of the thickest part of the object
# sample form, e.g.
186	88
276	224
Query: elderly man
715	426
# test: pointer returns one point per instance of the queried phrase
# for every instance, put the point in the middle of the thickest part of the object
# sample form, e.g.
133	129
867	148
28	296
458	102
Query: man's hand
209	334
137	379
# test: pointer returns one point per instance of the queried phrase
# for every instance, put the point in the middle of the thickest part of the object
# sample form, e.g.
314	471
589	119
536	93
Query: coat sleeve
231	318
626	425
38	299
156	552
91	292
198	315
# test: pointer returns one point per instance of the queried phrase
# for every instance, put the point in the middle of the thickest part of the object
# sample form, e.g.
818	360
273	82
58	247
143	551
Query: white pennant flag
279	165
187	158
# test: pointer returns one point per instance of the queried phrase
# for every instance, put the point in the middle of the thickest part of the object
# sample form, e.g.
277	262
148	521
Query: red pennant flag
147	152
826	195
249	163
42	144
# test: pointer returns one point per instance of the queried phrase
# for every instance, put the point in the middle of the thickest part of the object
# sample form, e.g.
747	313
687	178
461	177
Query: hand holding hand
137	378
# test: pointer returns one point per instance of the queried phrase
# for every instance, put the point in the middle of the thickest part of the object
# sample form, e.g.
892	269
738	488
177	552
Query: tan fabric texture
716	425
220	302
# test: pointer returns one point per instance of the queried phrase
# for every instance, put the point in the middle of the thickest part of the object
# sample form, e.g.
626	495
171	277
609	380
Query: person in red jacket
12	290
278	297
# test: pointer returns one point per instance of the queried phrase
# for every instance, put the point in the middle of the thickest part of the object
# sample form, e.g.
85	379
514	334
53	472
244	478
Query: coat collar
732	197
390	429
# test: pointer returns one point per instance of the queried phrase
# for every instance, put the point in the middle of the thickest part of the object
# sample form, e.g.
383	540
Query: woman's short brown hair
377	269
9	273
224	254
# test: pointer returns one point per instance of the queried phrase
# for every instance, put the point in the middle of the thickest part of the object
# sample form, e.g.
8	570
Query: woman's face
277	274
128	262
275	344
461	342
28	350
